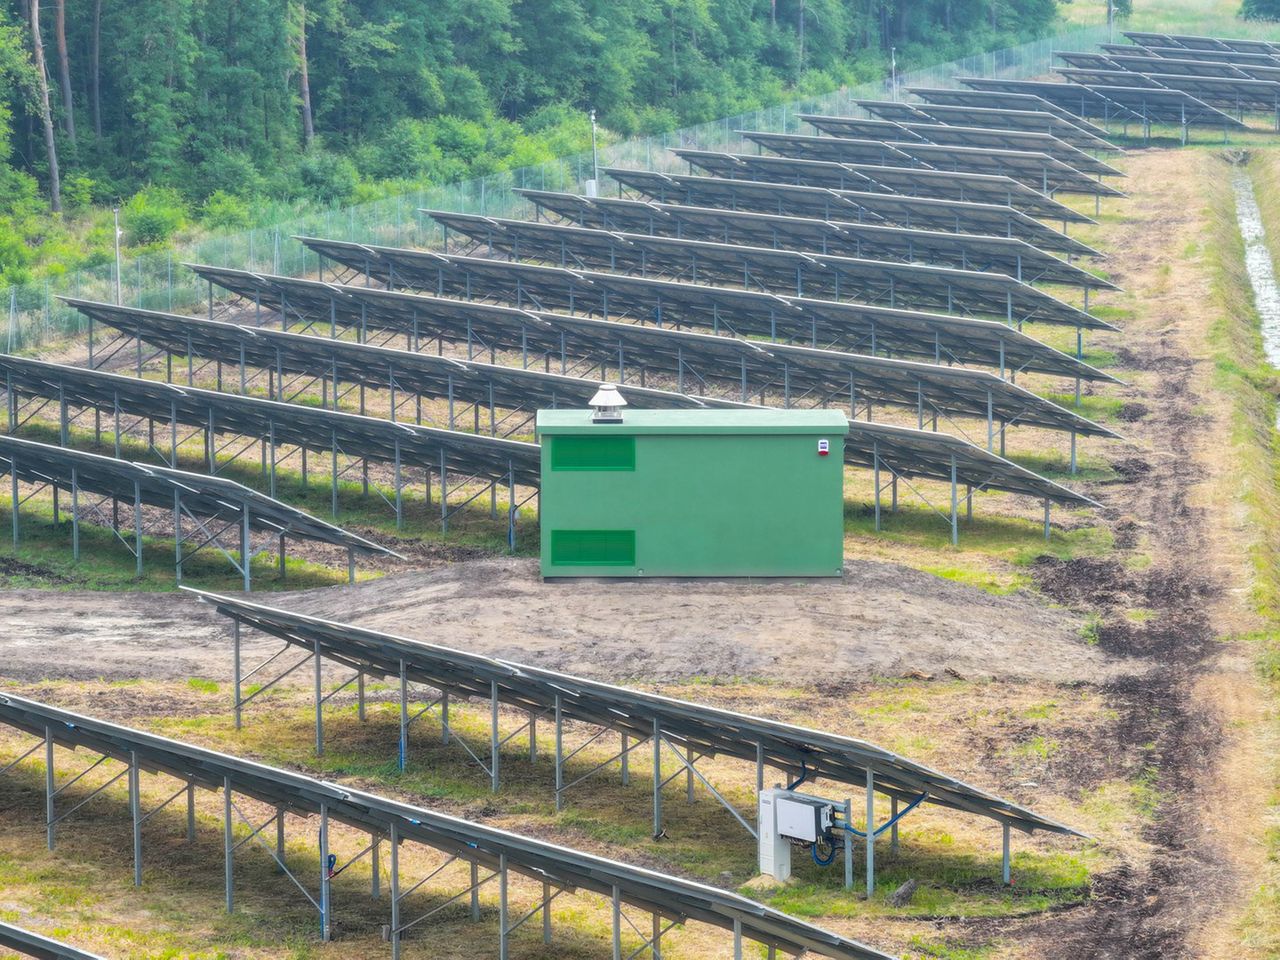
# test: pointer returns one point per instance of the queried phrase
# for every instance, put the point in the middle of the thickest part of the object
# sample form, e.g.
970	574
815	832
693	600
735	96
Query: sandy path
880	620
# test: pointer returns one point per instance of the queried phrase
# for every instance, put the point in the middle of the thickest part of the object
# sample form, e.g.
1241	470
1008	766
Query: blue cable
813	850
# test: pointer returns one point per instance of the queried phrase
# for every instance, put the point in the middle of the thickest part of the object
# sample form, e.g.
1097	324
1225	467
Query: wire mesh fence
160	281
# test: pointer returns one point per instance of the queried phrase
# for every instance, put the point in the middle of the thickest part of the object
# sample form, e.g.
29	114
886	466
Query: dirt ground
881	620
1181	702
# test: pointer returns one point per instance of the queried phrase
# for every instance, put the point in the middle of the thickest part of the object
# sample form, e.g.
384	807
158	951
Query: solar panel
212	497
1034	169
1076	99
965	136
709	731
1228	92
1032	121
1242	61
42	948
925	213
967	251
911	453
998	99
1177	67
1194	42
857	328
377	367
1086	61
1157	98
483	385
869	178
822	276
496	849
280	423
722	365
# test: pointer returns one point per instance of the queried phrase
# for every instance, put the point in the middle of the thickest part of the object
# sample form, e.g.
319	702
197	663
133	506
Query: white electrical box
775	849
787	818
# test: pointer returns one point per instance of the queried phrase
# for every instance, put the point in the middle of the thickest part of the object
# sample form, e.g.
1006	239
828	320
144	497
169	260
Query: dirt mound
878	620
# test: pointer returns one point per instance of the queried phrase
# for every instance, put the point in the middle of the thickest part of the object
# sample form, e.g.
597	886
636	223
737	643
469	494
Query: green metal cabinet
693	493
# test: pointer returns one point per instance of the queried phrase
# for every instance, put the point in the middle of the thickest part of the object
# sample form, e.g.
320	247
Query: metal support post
502	907
871	833
657	779
1004	859
955	524
325	874
404	718
616	901
475	891
135	812
623	761
228	840
848	844
50	825
319	703
559	753
893	830
191	813
395	891
235	669
493	736
75	515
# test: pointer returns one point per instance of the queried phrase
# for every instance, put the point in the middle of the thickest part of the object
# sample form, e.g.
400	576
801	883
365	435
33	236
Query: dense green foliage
1260	10
197	109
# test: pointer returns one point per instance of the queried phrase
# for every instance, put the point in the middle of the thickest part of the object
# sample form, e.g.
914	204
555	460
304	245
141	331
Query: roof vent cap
607	404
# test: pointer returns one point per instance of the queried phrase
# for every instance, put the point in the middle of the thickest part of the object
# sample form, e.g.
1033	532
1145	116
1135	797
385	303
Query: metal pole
475	891
325	873
135	811
228	840
616	901
395	891
50	826
893	831
404	717
871	833
191	812
1004	861
657	779
235	670
75	515
502	906
559	754
848	844
319	711
493	736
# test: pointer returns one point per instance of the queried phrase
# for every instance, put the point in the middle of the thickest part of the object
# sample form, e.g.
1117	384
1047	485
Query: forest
198	114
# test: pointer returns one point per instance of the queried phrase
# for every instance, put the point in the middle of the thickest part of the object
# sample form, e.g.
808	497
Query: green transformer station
691	493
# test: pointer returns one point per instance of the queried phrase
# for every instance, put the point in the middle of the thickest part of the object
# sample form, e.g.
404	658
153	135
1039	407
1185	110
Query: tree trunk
95	75
37	48
801	31
304	80
64	68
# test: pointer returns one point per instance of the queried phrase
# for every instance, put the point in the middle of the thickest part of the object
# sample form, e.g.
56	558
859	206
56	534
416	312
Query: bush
327	177
223	211
78	191
153	215
1260	10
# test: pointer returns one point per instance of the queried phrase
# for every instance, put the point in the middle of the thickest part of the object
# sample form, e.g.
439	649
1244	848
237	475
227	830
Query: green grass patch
999	584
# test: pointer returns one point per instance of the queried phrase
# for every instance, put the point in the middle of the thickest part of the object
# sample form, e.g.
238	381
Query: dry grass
1027	741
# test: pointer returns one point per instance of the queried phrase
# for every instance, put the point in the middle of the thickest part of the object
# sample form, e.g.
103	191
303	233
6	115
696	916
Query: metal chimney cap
608	404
